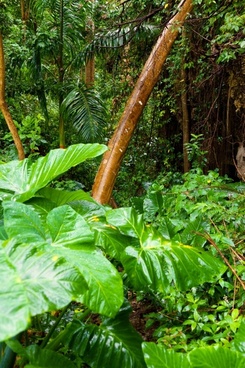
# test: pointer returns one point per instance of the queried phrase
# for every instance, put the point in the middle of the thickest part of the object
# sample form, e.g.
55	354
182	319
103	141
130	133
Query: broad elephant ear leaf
49	264
61	197
36	283
157	357
113	343
216	356
239	341
44	358
20	180
72	239
155	263
67	227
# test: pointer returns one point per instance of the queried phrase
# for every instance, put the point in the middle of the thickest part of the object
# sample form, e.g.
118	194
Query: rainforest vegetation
122	170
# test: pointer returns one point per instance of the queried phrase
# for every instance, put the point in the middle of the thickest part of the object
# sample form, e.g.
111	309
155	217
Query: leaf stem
212	242
53	328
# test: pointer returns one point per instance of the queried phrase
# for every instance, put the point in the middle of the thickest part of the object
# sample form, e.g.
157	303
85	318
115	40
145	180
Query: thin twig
212	242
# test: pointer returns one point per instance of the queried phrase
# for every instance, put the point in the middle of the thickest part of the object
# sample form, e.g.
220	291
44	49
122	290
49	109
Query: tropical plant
84	108
55	247
204	211
210	356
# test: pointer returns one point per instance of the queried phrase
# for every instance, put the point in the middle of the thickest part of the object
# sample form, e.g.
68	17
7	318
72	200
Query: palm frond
106	41
84	108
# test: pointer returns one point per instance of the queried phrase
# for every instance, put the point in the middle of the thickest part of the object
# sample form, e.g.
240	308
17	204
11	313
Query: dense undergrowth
68	265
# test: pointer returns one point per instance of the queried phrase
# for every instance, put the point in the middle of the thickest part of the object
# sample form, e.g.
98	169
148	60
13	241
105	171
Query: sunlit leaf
216	356
67	227
36	282
155	263
239	340
158	357
21	222
22	179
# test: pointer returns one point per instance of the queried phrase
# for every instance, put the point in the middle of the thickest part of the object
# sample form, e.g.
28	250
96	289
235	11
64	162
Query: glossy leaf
111	240
218	357
239	340
67	227
21	222
152	204
70	238
20	180
47	265
127	221
36	283
114	343
105	289
155	263
44	358
157	357
41	206
61	197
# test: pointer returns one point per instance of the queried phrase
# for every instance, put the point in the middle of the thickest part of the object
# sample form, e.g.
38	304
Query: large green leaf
152	203
114	343
155	263
33	282
21	222
239	340
70	236
60	197
41	206
111	240
67	227
207	357
158	357
105	288
64	236
127	221
20	180
216	356
44	358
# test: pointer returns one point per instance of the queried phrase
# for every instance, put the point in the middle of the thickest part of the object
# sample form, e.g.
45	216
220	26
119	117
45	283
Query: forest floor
138	317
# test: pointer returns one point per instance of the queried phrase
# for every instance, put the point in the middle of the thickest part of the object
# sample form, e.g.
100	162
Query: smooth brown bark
90	62
4	106
24	8
90	71
109	167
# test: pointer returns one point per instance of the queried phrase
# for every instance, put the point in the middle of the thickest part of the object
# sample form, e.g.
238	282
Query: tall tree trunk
4	106
89	71
90	63
185	118
24	8
61	75
37	75
109	167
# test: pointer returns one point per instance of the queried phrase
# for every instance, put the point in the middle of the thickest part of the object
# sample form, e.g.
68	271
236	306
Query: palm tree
60	37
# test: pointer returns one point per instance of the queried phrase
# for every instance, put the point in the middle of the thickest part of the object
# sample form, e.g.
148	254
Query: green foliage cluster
204	211
71	261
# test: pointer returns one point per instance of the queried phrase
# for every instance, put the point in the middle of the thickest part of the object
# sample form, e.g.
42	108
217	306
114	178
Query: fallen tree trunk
109	167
